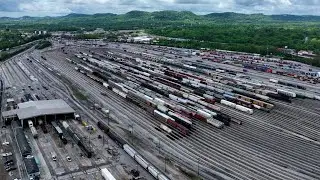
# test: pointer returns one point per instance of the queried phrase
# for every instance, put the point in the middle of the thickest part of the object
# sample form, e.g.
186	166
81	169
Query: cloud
43	7
61	7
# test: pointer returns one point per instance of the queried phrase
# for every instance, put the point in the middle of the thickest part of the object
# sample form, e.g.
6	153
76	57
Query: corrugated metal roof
39	108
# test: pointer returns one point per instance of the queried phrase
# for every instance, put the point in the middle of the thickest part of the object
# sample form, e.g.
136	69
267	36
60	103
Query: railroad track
237	131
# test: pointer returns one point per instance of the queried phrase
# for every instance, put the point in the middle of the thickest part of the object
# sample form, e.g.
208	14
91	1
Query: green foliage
314	62
43	44
88	36
13	38
78	94
255	33
7	55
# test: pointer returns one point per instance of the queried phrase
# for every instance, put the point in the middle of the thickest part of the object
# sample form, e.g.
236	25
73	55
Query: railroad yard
169	113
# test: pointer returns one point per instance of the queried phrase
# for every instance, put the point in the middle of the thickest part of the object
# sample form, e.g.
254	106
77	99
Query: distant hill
183	16
229	16
286	17
146	20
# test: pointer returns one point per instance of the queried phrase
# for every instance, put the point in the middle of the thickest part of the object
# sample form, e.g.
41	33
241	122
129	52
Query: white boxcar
208	96
227	103
162	108
164	127
285	92
162	177
256	106
244	109
215	123
262	97
105	84
34	132
122	94
273	80
159	101
129	150
106	174
153	171
173	97
210	112
203	113
141	161
65	124
30	123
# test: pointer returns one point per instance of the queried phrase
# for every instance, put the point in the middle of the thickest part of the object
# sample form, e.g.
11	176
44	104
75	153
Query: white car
5	143
68	159
7	154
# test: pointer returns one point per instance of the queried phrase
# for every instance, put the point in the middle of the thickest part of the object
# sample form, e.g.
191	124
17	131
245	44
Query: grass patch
78	94
190	174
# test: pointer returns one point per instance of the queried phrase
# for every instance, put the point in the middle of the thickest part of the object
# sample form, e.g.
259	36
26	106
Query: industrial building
33	110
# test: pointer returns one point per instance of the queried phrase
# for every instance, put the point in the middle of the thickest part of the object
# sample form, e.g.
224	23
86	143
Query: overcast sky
16	8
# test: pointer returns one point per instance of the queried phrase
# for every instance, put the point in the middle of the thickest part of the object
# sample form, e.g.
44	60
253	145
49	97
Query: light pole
165	163
198	166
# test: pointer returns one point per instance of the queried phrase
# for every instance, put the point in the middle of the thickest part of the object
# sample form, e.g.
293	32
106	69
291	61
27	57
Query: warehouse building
33	110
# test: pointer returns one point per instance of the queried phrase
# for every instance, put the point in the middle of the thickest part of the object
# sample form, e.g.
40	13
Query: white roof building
33	109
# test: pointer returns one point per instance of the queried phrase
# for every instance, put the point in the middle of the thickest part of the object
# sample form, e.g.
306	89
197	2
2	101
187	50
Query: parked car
6	154
68	159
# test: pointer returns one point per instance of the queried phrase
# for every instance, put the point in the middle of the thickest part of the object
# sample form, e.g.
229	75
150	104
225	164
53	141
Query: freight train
59	132
22	142
144	163
136	156
78	140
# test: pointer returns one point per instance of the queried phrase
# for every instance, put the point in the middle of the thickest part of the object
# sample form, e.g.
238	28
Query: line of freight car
22	142
155	89
224	118
113	135
43	126
171	122
288	84
146	105
262	105
182	66
172	134
180	75
239	101
83	146
144	163
281	97
59	132
168	83
235	106
250	94
34	132
150	106
206	115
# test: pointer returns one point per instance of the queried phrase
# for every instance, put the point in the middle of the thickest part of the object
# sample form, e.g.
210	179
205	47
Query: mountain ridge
180	15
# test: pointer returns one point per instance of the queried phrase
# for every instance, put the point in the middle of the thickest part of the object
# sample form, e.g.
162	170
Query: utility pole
102	140
198	166
165	163
131	132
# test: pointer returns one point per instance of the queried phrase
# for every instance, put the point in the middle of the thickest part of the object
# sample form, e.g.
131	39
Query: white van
54	157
